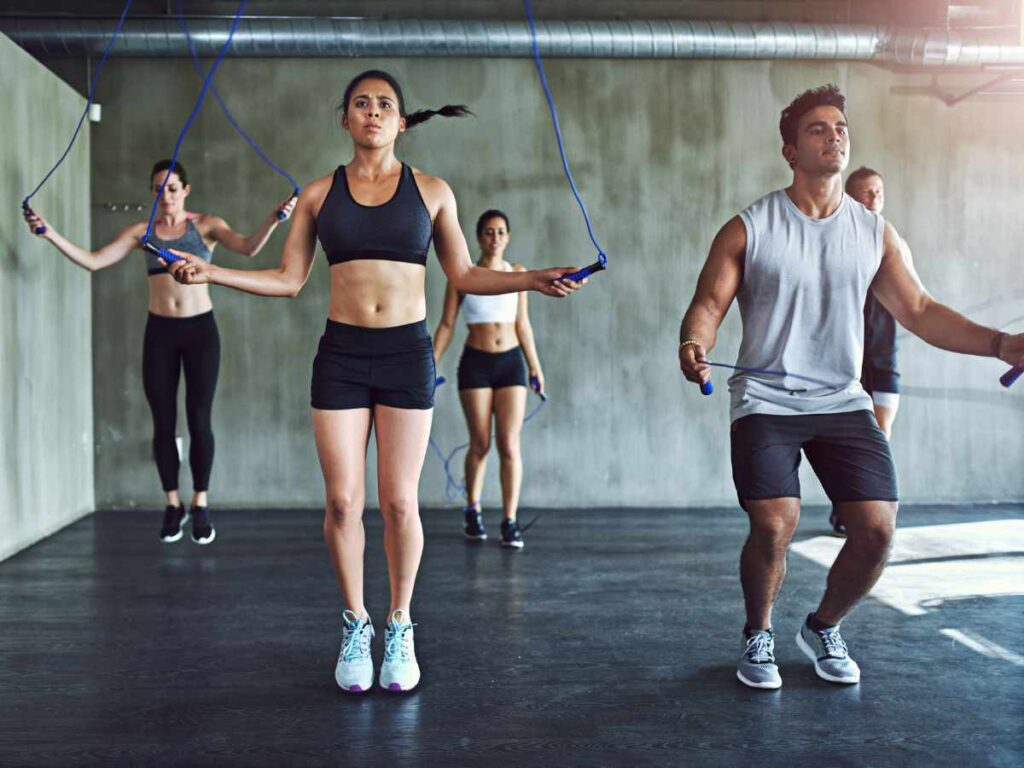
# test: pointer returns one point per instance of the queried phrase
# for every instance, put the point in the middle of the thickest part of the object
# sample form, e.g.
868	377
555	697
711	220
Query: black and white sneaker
174	523
202	528
511	535
474	527
838	529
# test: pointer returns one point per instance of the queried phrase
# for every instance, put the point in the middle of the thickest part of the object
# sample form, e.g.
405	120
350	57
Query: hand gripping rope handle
163	253
1008	378
535	384
597	266
281	215
40	230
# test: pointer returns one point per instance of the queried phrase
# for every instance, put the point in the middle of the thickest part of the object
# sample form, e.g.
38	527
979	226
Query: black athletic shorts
847	451
358	367
492	370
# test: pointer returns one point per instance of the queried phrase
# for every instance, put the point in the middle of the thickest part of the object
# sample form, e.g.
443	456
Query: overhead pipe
651	39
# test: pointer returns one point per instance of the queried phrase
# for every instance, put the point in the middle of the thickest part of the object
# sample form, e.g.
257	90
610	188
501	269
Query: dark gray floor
609	641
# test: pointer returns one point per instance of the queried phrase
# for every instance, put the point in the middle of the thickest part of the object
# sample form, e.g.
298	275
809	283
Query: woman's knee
399	508
343	508
509	447
479	446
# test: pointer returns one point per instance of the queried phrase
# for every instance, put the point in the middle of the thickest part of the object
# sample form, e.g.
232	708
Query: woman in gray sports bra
375	218
180	333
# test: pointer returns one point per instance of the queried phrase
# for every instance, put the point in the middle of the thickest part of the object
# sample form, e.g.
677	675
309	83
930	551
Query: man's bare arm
717	286
899	289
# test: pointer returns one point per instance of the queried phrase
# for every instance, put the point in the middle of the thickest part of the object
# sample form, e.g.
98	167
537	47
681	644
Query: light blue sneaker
756	667
354	670
829	653
399	672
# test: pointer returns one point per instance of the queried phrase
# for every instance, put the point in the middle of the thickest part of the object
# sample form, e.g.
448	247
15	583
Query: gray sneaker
756	667
829	653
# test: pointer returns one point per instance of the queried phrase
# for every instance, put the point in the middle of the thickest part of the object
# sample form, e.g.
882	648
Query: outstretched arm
250	245
717	286
466	277
111	253
899	289
286	280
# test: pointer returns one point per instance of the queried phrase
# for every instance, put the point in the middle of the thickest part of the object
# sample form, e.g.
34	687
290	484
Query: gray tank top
190	242
805	282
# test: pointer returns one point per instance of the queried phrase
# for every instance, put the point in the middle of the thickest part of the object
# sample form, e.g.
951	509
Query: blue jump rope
88	103
163	253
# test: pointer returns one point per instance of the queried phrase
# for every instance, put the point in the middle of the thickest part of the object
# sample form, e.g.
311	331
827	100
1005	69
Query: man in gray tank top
800	262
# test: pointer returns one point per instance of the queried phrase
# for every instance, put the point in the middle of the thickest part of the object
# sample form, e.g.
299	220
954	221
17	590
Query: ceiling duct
651	39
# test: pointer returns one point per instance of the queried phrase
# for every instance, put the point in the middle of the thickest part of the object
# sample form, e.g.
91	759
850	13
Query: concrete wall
664	153
46	421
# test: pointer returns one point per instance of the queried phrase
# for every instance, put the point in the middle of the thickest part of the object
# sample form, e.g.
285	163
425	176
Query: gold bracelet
689	343
996	343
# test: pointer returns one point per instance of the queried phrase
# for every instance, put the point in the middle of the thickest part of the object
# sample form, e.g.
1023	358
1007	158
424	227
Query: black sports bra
398	230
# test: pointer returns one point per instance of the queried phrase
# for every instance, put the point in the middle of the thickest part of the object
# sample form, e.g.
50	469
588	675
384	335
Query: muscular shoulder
205	223
733	235
315	192
434	189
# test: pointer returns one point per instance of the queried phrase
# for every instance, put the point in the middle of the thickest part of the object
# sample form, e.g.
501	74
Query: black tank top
880	344
398	230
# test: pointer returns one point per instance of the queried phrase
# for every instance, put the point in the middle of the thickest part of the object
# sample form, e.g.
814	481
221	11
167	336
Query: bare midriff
492	337
374	293
168	298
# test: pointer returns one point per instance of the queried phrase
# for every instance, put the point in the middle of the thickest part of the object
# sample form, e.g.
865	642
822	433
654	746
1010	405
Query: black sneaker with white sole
202	528
474	526
511	535
174	523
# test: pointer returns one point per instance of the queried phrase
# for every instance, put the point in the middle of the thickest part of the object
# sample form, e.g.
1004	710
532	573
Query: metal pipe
652	39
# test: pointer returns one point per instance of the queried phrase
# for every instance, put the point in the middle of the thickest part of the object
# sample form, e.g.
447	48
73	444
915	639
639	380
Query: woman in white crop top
498	362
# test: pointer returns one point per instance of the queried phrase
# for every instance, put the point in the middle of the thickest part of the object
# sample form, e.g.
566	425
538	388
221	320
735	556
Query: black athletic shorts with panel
848	452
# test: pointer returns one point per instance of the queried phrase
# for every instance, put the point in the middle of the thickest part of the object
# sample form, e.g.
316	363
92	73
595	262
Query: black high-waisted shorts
358	367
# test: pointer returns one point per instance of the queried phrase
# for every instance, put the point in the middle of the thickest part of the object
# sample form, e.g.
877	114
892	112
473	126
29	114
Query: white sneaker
354	670
399	672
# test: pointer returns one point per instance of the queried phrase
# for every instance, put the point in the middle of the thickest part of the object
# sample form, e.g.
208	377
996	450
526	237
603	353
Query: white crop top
490	309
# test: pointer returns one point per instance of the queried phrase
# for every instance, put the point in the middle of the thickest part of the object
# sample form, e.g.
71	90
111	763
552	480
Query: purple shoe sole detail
354	689
394	687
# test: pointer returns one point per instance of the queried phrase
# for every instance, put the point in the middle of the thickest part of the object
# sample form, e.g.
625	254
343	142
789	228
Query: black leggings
169	343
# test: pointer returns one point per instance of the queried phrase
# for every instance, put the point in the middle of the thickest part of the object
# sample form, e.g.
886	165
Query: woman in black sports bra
375	218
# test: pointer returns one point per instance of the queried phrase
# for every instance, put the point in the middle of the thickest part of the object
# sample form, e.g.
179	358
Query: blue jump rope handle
1011	376
163	253
280	214
707	388
535	386
41	230
439	381
597	266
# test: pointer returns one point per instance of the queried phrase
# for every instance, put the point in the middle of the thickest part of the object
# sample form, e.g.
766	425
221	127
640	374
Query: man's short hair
860	174
825	95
